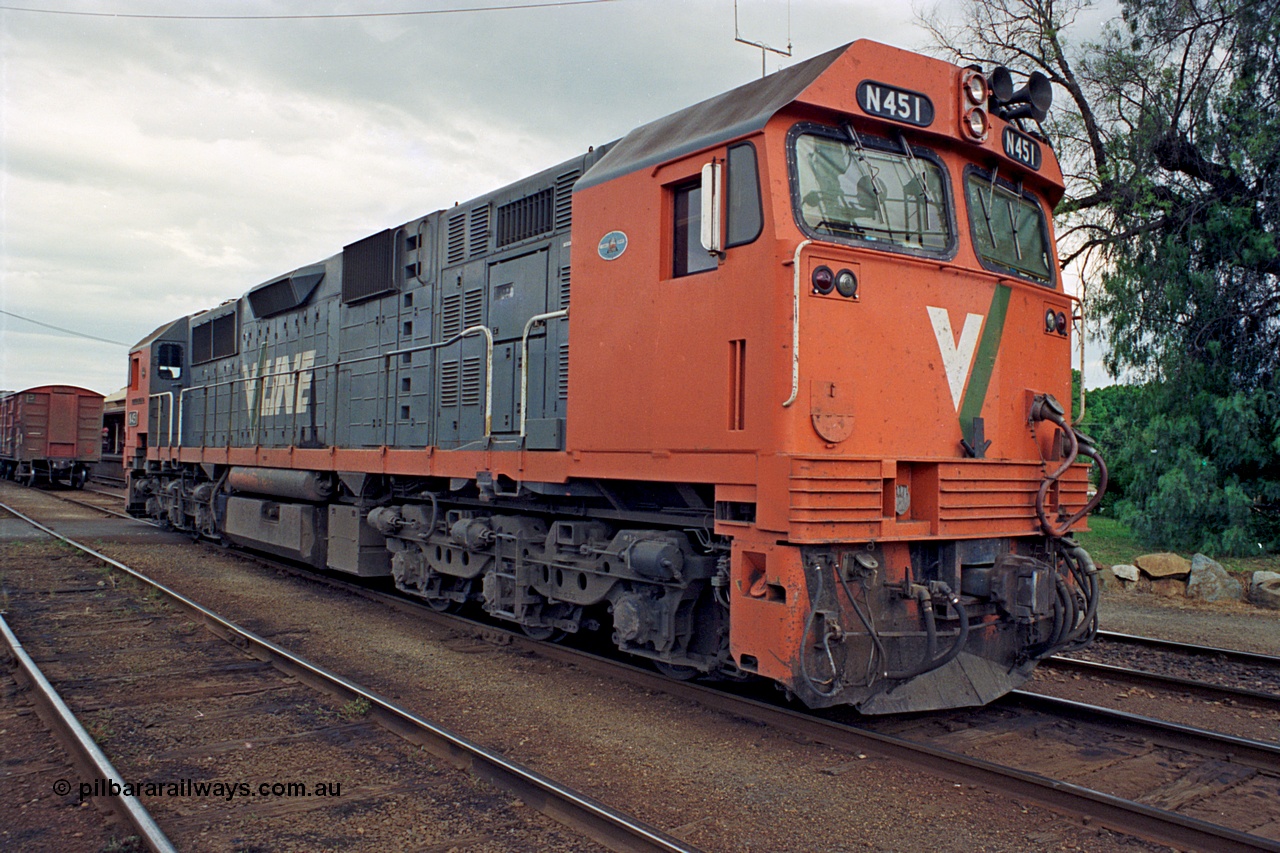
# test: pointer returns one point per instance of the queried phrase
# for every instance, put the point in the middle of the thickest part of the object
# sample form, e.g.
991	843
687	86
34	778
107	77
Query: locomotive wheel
676	671
543	633
443	605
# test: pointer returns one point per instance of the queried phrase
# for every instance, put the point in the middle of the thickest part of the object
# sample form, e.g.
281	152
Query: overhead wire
306	17
61	329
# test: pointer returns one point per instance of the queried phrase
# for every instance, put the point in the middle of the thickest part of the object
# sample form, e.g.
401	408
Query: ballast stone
1209	581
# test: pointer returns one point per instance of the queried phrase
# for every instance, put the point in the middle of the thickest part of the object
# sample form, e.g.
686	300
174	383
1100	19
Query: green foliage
1191	473
1171	144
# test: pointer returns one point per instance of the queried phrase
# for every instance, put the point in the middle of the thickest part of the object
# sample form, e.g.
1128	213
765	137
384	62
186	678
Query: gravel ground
1227	624
719	782
175	708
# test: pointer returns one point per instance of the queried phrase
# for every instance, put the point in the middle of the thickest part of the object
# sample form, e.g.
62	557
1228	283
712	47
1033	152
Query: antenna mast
764	48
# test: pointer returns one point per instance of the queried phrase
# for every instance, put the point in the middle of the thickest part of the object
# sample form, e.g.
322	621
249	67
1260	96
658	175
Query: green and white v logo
958	356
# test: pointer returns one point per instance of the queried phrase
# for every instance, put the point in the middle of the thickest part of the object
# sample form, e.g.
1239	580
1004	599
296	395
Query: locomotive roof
737	112
157	333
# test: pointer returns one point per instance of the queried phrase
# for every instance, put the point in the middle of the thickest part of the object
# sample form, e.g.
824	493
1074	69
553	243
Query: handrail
488	366
795	325
338	365
524	360
180	409
168	394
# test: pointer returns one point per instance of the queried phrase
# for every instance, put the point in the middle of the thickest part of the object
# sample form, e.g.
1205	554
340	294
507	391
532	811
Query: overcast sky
152	168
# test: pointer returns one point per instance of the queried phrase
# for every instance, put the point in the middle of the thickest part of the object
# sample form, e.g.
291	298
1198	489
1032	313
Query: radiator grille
367	267
214	339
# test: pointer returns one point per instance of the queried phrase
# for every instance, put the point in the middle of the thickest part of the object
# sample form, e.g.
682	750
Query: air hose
928	662
1046	408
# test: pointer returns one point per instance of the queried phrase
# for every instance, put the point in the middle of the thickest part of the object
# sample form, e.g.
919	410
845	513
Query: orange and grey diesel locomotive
767	387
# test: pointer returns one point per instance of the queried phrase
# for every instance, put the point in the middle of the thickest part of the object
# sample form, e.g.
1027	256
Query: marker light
1050	321
823	280
847	284
1062	323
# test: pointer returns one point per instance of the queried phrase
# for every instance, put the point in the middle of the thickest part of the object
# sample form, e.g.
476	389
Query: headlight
975	88
976	123
847	284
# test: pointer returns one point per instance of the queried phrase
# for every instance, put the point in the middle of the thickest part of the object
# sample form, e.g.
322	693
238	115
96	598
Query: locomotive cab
157	367
857	283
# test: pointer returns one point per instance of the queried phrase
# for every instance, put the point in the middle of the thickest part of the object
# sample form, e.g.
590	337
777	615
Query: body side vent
526	217
449	372
451	316
479	231
562	383
564	198
457	248
472	308
564	287
471	382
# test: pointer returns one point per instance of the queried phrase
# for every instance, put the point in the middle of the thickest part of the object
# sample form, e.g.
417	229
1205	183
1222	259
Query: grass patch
1112	543
1109	542
355	709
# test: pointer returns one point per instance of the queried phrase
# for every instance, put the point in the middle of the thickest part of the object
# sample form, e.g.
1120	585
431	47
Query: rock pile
1200	578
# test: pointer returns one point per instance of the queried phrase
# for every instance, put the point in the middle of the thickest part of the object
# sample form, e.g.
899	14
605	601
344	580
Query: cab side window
688	255
169	361
745	214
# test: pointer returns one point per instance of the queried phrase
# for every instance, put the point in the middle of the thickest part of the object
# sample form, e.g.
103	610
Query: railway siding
721	781
225	750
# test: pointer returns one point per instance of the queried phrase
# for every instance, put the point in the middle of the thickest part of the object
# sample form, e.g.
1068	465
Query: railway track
1175	681
1242	672
45	747
194	711
1206	799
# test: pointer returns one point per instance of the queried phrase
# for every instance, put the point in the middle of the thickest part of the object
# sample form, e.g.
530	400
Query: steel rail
1158	679
80	744
1234	655
102	509
613	829
1253	753
1116	813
